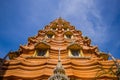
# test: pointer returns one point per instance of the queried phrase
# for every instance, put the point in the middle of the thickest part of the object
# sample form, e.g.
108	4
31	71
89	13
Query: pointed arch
75	50
50	34
54	26
65	27
68	35
42	49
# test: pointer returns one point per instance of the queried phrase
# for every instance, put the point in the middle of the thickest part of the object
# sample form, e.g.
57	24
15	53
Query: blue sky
97	19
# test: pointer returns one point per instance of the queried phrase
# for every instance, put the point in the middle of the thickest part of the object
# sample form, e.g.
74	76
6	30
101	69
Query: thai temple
59	52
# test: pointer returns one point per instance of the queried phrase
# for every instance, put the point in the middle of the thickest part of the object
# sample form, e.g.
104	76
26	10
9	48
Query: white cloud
87	17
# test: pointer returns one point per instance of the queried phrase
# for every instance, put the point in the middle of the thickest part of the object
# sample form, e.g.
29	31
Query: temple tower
78	58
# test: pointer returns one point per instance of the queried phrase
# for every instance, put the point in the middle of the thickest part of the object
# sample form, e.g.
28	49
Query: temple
59	52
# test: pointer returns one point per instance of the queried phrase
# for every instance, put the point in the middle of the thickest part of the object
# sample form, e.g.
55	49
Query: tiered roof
38	58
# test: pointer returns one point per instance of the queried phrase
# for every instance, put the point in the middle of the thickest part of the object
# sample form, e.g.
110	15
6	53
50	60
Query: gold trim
81	52
35	53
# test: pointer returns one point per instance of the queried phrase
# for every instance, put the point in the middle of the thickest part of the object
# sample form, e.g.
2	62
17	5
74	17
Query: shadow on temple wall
3	68
4	63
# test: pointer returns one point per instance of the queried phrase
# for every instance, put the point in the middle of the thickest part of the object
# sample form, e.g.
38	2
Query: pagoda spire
59	72
59	56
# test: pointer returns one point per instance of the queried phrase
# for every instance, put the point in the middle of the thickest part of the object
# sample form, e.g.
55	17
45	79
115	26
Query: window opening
75	52
41	52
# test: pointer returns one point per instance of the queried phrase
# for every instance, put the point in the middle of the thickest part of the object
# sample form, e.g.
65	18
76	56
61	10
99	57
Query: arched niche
54	27
65	27
75	50
50	34
68	35
42	49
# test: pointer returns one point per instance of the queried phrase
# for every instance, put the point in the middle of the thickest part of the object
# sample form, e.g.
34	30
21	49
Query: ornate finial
59	72
59	65
59	55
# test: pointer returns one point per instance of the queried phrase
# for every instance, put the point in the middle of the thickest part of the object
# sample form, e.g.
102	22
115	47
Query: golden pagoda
59	52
